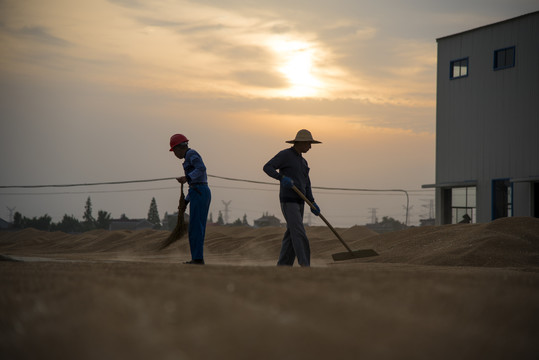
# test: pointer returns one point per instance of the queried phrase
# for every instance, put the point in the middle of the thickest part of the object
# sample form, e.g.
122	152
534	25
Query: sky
91	92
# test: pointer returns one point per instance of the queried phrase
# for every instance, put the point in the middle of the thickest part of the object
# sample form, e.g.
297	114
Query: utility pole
11	210
430	207
374	219
408	210
226	210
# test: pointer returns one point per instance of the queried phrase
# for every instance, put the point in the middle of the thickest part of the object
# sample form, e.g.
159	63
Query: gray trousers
295	242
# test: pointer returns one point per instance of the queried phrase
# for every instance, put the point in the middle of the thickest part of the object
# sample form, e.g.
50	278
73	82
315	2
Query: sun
297	65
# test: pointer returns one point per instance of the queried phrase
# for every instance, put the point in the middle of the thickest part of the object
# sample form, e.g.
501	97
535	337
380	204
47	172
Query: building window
463	205
502	198
504	58
459	68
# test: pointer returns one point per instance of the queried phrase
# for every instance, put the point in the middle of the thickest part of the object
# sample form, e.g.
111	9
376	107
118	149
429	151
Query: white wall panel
487	124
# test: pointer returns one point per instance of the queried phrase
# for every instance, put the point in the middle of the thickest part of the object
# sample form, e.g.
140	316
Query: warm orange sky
92	91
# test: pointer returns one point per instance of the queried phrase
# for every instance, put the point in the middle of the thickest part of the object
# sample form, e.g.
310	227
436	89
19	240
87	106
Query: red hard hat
177	139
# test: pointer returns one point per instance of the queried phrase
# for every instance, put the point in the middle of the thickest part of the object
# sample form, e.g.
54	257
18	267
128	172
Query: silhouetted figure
291	169
198	198
466	219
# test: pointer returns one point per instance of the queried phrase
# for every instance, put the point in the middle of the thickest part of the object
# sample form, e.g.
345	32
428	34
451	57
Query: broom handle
321	216
180	203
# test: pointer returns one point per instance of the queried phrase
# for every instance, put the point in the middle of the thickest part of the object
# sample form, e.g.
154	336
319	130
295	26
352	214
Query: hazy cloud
260	79
137	4
39	34
150	21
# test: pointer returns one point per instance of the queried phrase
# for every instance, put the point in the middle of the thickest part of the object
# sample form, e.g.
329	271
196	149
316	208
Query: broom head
181	226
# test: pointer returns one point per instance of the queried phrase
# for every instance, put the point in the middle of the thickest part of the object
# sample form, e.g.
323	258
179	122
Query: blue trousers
199	206
295	242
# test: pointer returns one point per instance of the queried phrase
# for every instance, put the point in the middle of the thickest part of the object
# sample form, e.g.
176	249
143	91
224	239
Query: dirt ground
446	292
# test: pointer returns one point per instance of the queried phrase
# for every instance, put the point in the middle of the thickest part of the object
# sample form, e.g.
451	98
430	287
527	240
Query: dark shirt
290	163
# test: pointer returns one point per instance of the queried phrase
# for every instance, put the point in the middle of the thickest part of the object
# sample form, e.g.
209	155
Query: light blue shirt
194	168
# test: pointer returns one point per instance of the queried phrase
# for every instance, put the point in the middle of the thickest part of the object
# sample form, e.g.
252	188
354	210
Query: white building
487	122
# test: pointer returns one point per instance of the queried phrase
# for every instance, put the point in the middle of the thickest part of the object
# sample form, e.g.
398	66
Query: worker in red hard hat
198	197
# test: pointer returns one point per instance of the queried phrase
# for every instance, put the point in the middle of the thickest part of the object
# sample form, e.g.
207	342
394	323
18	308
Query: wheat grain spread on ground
446	292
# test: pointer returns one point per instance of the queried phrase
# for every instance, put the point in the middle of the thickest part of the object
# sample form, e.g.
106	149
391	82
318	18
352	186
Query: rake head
356	254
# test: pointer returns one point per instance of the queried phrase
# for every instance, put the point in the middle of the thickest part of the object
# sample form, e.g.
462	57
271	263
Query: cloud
260	79
281	28
355	111
137	4
183	27
151	21
39	34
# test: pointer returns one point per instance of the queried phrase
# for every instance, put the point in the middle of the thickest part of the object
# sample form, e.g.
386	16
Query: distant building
4	225
131	224
169	221
427	222
267	220
386	225
487	122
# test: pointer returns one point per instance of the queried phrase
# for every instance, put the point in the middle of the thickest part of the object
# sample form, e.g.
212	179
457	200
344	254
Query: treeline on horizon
70	224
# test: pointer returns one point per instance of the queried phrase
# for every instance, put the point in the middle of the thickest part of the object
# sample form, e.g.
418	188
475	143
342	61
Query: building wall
487	123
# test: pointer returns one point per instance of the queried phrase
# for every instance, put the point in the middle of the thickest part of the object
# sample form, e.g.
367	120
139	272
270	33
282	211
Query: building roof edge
488	25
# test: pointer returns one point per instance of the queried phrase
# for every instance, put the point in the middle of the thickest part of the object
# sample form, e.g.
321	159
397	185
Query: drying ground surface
444	292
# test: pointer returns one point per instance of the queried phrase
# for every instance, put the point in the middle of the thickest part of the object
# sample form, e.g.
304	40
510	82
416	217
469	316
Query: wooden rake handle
321	216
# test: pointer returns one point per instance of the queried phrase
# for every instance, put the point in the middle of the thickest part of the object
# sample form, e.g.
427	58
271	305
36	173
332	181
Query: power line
212	176
89	192
82	184
130	190
173	178
328	188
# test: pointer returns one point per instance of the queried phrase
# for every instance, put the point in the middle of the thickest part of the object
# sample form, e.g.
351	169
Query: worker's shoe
195	262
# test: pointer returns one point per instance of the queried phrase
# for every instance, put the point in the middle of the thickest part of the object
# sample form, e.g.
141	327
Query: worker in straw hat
198	197
290	168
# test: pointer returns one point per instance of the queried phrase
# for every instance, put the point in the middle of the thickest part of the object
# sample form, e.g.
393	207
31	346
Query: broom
181	227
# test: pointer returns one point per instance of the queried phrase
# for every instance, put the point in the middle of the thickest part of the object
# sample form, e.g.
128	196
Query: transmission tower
408	211
226	204
11	210
374	219
430	207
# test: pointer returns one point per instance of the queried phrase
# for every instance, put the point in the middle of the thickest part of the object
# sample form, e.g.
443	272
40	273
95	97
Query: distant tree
69	224
103	220
123	217
391	224
211	219
153	215
220	220
244	222
386	220
41	223
17	220
237	222
88	218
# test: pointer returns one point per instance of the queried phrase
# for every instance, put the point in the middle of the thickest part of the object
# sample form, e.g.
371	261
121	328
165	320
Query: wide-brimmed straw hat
304	135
